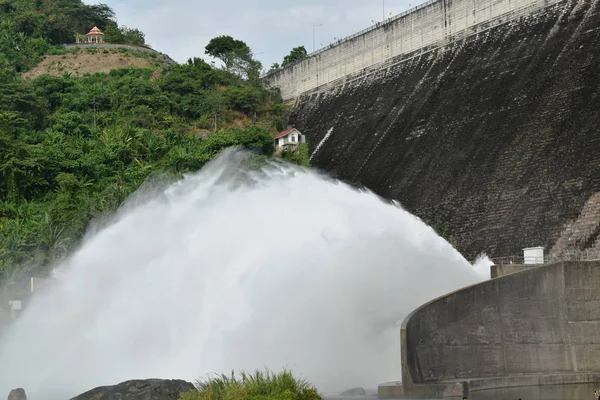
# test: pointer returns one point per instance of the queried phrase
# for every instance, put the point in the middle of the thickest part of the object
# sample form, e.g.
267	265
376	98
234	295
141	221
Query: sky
182	28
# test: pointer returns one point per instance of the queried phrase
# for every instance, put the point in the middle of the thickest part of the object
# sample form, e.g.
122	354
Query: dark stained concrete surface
494	140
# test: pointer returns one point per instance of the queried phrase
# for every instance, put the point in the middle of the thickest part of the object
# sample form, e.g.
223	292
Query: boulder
17	394
357	391
147	389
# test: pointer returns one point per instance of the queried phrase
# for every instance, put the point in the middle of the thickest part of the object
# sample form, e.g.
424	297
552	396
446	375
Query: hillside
81	129
79	62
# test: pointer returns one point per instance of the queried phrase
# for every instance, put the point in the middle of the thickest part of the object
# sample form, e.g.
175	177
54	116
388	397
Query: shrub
299	156
57	50
243	98
257	386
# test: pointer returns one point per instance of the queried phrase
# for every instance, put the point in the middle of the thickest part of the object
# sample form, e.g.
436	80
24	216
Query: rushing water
234	268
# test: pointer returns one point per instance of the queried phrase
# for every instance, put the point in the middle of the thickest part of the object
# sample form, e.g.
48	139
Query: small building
533	255
288	140
94	36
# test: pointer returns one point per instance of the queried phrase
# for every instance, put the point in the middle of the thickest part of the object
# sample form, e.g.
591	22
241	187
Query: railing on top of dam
577	255
326	71
354	35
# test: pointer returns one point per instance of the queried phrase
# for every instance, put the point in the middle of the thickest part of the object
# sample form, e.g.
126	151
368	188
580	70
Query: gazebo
93	36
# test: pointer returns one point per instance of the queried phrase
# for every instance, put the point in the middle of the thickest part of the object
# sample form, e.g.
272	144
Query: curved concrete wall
433	23
508	331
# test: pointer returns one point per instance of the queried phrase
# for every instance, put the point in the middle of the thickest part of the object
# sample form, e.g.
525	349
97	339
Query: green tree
133	36
227	49
113	33
236	55
297	53
274	67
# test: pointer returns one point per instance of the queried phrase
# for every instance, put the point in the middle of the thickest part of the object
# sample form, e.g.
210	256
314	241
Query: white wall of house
294	138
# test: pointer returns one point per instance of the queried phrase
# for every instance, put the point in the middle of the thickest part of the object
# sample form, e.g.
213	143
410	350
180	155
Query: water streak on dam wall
431	24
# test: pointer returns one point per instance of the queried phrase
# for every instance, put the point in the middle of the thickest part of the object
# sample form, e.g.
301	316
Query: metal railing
573	255
492	22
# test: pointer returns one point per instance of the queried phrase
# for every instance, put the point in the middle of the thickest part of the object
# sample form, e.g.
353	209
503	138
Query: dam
482	119
490	134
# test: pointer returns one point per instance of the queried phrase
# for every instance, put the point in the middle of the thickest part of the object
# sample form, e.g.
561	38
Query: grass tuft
260	385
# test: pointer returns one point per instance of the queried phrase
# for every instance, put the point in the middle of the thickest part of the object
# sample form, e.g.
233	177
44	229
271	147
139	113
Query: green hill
75	144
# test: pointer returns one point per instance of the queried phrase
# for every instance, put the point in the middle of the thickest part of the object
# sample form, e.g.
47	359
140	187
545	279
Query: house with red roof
288	140
94	36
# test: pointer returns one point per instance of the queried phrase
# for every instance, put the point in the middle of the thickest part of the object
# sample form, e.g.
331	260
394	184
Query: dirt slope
91	62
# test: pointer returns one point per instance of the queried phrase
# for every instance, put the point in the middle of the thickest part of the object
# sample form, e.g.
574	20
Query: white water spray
232	268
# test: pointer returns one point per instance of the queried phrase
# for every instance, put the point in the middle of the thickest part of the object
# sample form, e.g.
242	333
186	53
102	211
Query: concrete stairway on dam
582	233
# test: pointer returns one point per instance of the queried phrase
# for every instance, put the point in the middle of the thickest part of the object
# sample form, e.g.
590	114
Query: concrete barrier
536	327
500	270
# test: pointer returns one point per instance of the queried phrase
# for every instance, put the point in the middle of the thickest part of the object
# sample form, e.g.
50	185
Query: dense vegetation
73	148
257	386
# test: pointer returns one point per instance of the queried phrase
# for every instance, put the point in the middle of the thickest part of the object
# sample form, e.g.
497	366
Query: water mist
234	268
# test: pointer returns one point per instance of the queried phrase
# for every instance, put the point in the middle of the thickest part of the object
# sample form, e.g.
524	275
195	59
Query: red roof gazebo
93	36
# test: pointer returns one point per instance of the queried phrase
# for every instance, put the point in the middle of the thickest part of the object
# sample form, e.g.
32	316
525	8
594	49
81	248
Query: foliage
304	155
274	67
297	53
29	28
299	156
257	386
227	49
236	55
73	148
123	35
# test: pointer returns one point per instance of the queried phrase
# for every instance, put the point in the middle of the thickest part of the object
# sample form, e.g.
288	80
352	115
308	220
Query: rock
17	394
147	389
358	391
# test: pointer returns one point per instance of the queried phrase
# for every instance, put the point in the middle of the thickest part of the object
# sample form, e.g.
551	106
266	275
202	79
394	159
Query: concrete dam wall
539	326
431	24
493	139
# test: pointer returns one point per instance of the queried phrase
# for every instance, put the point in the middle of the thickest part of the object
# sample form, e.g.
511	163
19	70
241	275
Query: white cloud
182	28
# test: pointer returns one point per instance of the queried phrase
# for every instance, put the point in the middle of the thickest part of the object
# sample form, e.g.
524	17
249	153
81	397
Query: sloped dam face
494	139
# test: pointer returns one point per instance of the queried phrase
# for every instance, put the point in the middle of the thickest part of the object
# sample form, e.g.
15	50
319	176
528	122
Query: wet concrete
553	392
559	392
